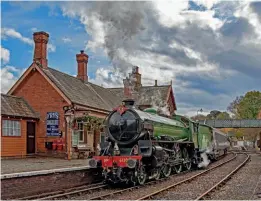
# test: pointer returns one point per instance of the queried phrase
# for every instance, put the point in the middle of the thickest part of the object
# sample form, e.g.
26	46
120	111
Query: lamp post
201	110
69	118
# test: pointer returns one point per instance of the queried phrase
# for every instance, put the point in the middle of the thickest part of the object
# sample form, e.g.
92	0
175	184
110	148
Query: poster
52	124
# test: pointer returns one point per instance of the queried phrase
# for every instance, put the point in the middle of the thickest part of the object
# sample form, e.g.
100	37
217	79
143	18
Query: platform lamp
68	114
201	110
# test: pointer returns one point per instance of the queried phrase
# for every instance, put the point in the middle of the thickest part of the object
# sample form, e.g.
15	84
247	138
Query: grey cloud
240	61
134	27
237	30
256	7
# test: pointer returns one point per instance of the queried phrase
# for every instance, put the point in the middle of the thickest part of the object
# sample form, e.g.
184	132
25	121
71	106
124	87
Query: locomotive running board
182	142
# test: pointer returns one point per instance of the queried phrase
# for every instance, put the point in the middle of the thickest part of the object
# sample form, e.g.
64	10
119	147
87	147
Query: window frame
13	128
102	134
81	132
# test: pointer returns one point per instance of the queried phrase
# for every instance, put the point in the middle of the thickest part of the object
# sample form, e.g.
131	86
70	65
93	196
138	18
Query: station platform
40	165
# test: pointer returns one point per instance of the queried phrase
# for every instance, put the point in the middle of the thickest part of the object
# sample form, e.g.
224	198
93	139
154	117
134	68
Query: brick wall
26	186
14	146
43	98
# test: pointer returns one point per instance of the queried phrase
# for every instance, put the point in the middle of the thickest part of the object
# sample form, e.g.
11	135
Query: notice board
52	124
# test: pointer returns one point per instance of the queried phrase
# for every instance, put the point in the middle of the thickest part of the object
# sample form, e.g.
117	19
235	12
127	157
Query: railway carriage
143	145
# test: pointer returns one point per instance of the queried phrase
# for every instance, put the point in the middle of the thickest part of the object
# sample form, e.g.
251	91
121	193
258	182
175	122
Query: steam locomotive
142	145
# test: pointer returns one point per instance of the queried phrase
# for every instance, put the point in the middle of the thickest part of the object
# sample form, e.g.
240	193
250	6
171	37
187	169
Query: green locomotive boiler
143	145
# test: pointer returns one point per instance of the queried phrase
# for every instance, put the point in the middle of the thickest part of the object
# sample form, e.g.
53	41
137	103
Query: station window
11	128
102	137
81	131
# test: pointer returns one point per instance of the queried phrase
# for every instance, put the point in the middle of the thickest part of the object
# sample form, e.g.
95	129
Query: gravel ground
244	185
144	190
199	185
33	164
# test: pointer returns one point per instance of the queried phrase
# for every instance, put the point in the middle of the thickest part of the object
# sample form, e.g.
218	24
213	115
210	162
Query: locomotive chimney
129	102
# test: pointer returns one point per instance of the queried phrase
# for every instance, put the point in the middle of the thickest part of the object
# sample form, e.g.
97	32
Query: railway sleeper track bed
66	192
100	191
114	194
200	185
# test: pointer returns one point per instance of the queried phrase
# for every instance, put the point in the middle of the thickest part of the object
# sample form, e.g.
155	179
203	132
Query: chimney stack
127	88
40	50
82	60
156	83
137	76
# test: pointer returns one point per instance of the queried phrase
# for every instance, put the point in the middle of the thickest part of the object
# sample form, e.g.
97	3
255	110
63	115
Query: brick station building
50	93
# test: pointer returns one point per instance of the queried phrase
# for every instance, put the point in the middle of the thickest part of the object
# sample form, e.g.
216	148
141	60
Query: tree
213	114
251	133
250	105
199	117
246	107
223	115
233	106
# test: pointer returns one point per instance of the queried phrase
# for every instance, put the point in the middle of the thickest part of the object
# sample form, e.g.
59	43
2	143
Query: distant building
146	96
51	93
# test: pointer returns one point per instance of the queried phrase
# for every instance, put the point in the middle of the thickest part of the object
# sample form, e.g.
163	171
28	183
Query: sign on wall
52	124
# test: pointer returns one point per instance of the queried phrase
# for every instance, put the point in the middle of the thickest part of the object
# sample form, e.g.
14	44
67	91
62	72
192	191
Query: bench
82	150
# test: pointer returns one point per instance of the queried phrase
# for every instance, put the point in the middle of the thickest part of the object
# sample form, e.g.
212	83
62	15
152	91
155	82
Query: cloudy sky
210	49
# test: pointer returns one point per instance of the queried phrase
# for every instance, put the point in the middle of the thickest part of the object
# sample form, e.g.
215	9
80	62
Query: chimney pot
156	83
82	60
40	50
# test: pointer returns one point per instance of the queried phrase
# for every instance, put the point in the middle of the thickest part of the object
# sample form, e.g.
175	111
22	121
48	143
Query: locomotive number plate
120	161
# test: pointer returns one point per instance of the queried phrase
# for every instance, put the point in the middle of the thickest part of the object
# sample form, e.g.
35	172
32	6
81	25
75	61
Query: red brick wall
43	98
26	186
14	146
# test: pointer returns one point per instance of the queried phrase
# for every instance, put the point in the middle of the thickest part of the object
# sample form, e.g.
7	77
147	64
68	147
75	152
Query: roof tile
16	106
95	96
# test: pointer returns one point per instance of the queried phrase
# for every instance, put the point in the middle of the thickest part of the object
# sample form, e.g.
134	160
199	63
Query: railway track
227	177
197	176
103	191
112	194
66	192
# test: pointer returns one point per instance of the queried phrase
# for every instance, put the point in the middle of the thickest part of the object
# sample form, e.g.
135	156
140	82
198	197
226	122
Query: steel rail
61	192
73	192
136	187
42	195
224	179
185	180
130	188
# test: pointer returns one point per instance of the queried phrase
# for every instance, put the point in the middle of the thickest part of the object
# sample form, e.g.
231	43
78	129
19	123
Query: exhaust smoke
205	161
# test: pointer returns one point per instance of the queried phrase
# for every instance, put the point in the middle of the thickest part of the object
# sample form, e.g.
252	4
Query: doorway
30	137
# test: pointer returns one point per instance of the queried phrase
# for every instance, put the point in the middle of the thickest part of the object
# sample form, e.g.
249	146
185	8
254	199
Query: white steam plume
205	161
159	105
121	29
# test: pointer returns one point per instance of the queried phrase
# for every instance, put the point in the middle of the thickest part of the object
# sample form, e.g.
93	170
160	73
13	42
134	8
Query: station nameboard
52	124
